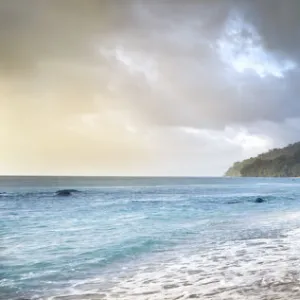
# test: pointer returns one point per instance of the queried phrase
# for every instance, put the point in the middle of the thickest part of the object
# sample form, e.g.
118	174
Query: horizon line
117	176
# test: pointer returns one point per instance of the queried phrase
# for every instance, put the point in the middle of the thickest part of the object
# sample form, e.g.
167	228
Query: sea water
149	238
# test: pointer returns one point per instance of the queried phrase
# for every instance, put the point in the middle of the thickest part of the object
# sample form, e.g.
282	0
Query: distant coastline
278	162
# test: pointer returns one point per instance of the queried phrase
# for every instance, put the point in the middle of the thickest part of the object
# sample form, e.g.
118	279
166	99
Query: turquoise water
149	238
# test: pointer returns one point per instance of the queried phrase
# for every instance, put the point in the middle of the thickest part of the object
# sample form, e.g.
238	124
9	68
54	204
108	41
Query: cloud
124	86
210	81
241	47
277	23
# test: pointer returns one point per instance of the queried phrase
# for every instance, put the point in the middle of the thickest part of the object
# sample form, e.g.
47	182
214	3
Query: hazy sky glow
137	87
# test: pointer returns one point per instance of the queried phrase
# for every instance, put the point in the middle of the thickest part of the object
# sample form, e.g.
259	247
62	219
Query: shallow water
149	238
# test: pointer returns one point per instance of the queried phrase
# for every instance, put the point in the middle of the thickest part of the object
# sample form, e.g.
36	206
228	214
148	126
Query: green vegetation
284	162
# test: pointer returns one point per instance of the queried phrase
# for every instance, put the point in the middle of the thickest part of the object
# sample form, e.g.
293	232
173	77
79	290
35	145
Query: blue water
149	238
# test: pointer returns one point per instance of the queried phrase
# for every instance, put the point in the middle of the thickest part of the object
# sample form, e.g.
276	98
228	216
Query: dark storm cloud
182	38
278	22
35	30
217	62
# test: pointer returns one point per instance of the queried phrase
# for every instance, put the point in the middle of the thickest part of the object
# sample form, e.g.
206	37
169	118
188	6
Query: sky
148	88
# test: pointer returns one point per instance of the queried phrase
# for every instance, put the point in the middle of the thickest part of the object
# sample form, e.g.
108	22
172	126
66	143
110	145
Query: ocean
149	238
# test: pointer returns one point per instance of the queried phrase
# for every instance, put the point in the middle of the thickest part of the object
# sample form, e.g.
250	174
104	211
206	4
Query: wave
256	269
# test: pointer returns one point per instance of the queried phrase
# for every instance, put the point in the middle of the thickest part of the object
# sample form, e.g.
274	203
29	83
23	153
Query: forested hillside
284	162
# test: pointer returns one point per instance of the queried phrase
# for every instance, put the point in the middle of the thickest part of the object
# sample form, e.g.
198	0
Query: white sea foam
254	269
